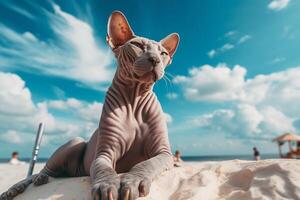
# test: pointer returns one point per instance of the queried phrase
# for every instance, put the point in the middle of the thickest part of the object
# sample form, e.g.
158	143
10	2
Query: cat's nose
154	60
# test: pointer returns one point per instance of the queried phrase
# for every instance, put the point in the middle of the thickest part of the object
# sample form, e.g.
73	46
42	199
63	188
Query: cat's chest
128	116
135	118
136	126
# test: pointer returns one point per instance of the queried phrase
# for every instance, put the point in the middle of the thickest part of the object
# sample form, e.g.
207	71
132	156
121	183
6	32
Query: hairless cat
132	135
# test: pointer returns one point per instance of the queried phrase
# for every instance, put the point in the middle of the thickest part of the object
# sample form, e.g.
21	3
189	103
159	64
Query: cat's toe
40	179
132	188
126	193
105	191
144	187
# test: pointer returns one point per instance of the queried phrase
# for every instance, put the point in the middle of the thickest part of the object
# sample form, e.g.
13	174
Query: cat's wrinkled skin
132	135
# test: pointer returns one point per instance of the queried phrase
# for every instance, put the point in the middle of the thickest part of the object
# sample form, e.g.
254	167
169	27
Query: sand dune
228	180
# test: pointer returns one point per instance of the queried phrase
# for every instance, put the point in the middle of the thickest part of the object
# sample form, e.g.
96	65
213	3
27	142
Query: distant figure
256	154
177	159
15	159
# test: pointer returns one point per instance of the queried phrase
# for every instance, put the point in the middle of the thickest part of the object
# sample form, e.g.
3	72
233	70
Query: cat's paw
106	190
133	186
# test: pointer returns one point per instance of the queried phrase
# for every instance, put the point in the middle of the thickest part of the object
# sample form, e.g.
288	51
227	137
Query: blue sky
234	81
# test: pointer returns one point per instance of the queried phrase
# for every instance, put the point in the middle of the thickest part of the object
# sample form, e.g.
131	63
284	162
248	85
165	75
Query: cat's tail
20	187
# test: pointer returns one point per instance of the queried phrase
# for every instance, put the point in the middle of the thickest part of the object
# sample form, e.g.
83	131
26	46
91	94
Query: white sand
230	180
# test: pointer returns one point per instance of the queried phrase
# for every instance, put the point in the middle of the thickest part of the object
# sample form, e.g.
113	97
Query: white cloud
278	60
248	118
90	112
59	93
231	33
278	4
232	36
64	105
172	95
246	121
168	117
276	121
83	110
18	10
216	120
266	105
19	115
14	96
226	47
207	83
72	53
11	136
220	83
244	38
17	108
212	53
93	62
280	89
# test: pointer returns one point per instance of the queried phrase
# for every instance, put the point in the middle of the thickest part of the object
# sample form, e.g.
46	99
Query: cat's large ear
118	30
170	43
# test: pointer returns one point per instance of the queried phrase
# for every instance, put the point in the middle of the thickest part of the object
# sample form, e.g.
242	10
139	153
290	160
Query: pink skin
132	136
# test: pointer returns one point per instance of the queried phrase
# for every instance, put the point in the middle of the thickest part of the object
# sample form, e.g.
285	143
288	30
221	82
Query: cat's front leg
105	181
136	183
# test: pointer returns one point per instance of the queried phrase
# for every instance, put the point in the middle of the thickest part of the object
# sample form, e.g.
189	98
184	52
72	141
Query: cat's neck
130	88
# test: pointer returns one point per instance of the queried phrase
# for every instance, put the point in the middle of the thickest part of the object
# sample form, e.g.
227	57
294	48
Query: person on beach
177	159
15	159
256	154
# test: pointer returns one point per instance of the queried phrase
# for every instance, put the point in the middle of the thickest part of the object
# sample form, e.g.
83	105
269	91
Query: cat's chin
149	77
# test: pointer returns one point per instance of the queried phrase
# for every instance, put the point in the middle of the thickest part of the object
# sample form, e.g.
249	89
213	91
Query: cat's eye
139	45
163	53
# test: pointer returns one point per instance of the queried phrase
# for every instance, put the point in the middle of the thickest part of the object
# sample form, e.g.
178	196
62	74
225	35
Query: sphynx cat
132	136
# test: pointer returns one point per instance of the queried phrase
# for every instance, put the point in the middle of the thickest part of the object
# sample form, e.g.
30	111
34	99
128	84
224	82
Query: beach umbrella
287	137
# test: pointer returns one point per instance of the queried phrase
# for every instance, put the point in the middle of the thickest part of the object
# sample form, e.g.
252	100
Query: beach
231	180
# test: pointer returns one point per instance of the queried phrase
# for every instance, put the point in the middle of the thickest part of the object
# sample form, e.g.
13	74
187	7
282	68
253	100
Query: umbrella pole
290	146
279	149
36	148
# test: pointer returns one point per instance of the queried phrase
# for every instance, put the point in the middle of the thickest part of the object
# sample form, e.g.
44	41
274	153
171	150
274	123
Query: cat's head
139	58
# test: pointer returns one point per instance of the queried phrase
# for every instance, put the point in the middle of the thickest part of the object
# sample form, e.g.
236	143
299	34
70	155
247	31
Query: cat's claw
105	191
133	187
